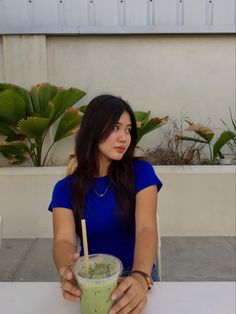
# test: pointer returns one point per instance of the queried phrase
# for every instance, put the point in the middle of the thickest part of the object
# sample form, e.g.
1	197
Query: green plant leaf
7	131
203	131
34	127
191	139
34	94
83	108
50	110
224	138
46	92
207	137
12	107
151	125
34	112
69	124
141	117
16	152
23	93
232	119
64	100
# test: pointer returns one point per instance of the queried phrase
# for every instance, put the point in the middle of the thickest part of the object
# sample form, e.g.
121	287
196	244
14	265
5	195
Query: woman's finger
74	257
69	296
122	287
68	287
66	274
127	303
138	309
127	297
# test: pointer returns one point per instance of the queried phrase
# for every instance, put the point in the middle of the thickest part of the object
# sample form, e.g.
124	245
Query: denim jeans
154	274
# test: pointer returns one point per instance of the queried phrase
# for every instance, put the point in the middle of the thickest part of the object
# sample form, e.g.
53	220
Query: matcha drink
98	285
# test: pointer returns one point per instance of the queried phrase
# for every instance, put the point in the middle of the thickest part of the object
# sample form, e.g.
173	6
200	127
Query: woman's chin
118	157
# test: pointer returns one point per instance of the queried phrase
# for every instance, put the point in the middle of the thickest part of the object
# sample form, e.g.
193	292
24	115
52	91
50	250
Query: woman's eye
128	131
116	127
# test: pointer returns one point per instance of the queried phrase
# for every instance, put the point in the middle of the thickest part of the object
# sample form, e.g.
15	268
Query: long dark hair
102	113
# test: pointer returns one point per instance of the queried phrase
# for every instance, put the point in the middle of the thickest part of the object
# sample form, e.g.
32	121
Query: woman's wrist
141	280
146	277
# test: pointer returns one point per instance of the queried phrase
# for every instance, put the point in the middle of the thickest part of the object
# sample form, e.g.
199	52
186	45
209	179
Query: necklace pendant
101	194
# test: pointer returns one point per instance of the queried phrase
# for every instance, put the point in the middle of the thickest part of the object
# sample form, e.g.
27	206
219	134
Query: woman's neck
103	172
104	168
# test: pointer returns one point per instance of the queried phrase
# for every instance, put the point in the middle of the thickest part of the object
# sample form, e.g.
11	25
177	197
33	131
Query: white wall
168	74
194	201
1	61
197	201
24	58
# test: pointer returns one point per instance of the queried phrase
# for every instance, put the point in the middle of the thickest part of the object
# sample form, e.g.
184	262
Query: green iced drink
98	284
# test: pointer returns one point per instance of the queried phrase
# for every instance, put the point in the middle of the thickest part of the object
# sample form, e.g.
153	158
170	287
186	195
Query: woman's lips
120	149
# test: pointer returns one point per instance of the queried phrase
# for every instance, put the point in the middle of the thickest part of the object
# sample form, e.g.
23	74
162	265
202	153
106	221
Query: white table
164	298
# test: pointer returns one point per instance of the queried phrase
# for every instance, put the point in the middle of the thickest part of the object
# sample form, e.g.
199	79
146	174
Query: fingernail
112	312
113	297
77	292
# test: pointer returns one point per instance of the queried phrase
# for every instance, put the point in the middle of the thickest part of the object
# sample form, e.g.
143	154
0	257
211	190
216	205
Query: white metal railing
116	16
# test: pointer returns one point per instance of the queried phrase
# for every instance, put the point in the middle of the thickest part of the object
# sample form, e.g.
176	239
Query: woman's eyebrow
126	124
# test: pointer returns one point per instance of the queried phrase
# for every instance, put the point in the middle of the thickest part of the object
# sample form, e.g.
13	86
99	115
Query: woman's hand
69	285
131	295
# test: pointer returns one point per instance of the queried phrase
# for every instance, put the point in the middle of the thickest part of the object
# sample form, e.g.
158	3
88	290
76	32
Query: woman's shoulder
65	182
145	175
142	165
62	194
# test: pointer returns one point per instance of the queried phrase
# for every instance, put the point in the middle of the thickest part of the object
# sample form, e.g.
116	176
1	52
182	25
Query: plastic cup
98	285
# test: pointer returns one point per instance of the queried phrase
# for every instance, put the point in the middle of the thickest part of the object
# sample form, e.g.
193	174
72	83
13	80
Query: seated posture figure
117	195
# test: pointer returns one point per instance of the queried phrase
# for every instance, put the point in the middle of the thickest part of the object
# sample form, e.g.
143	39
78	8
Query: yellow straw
85	243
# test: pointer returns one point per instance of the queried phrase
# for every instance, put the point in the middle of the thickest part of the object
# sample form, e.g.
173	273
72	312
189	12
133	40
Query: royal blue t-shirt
104	221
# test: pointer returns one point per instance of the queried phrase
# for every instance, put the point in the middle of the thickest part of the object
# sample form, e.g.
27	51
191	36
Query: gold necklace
101	194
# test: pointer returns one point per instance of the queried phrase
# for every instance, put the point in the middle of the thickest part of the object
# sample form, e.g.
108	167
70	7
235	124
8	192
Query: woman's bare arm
146	229
64	251
133	288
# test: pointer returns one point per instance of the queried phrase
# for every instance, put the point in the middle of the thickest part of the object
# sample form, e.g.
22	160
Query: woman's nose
122	136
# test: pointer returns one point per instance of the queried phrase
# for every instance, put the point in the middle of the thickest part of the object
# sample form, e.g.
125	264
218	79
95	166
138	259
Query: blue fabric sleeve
61	196
145	176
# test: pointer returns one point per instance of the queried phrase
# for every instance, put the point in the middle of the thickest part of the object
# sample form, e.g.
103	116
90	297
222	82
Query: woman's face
117	143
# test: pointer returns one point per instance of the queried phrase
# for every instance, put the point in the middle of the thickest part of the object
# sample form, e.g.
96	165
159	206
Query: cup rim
114	275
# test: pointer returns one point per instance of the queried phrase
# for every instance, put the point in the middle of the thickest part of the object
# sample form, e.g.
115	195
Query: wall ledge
197	169
61	170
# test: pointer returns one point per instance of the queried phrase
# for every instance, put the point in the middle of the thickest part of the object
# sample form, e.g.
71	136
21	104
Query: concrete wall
2	78
24	59
195	201
168	74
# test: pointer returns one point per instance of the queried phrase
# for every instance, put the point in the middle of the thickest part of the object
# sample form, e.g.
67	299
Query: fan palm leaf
12	107
41	95
69	124
34	127
23	93
65	99
16	151
7	131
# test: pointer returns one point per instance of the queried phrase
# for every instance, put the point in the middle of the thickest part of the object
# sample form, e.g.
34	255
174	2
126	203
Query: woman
117	195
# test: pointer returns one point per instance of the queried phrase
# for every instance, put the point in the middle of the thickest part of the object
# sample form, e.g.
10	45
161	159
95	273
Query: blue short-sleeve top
105	230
